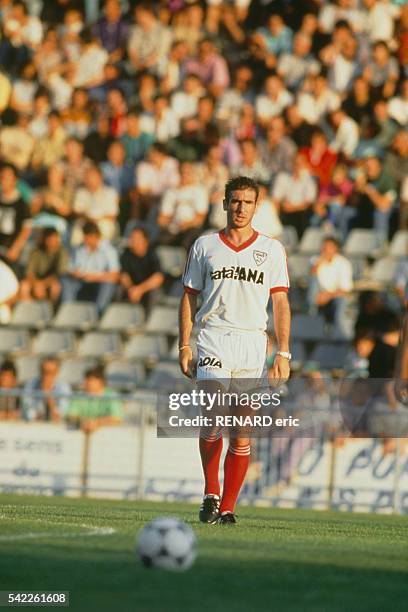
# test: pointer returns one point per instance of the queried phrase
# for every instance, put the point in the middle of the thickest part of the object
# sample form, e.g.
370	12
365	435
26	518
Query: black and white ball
167	543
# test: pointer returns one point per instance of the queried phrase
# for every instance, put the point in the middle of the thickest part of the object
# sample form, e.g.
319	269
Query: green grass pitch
274	559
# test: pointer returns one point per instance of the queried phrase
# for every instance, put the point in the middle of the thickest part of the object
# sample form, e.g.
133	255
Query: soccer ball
167	543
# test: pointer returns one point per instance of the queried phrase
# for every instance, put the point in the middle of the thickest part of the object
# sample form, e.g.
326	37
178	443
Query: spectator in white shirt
331	282
98	203
251	165
380	20
184	103
346	135
266	219
153	177
398	106
183	210
294	194
89	70
294	67
273	101
317	99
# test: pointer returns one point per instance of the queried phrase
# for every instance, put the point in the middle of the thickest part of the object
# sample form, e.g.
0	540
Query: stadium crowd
122	121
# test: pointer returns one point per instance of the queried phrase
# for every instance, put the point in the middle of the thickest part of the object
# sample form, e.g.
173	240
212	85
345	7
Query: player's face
241	208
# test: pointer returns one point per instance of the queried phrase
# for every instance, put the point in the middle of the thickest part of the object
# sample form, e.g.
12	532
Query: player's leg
235	469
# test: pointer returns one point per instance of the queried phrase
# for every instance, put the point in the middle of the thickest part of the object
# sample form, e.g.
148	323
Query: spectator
371	313
320	158
273	101
8	292
183	209
332	205
97	142
100	408
298	129
89	67
274	39
346	135
153	178
251	165
187	146
14	217
184	103
135	140
141	275
316	99
98	203
56	197
294	193
93	270
278	150
77	118
294	67
9	404
16	143
383	357
22	34
46	265
398	106
50	149
213	174
149	41
331	282
211	67
359	105
112	30
76	165
232	100
383	71
46	397
116	171
266	219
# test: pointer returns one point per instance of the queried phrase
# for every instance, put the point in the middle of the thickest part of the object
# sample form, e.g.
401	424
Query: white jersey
235	282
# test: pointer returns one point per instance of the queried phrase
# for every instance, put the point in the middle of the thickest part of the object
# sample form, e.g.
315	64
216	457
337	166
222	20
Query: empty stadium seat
32	315
299	268
53	342
123	317
399	244
146	347
72	371
13	340
383	270
76	315
28	367
289	238
330	355
99	345
172	260
360	242
311	241
308	327
124	375
163	319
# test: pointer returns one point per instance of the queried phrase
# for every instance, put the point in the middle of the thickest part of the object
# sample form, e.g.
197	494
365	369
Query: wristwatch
285	354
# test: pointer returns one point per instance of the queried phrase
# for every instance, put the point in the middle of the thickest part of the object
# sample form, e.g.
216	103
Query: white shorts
229	355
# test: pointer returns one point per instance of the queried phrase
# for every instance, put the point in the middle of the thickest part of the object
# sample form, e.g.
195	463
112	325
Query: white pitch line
94	531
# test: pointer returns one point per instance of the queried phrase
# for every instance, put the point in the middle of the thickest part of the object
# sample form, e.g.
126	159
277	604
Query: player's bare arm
187	311
281	317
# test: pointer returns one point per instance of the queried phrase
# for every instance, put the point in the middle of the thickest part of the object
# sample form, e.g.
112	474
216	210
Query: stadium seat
124	375
330	355
28	367
163	319
99	345
308	327
146	347
53	342
172	260
299	268
360	242
72	371
399	244
311	241
167	375
289	238
13	341
383	270
31	315
76	316
359	265
123	317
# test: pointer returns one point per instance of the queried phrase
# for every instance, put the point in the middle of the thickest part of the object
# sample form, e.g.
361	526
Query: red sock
235	468
210	451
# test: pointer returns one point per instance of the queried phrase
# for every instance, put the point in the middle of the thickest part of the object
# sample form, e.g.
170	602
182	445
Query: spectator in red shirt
320	158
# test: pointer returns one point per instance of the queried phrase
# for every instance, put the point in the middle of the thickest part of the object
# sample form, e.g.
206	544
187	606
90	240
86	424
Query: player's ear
224	204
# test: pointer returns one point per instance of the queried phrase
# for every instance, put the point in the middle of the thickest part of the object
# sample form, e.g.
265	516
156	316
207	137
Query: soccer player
235	270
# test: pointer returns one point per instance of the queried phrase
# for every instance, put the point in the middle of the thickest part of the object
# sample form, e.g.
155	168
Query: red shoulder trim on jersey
242	246
276	289
191	290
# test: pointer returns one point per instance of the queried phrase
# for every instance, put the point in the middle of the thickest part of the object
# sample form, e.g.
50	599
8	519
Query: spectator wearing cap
93	270
331	281
100	408
98	203
141	274
9	404
46	397
48	262
183	209
294	193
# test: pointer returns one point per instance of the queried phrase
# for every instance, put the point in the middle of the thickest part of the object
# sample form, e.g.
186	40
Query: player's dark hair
238	183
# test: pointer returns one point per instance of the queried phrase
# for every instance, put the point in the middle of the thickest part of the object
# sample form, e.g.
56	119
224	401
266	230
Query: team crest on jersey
259	257
209	362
